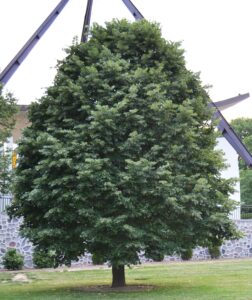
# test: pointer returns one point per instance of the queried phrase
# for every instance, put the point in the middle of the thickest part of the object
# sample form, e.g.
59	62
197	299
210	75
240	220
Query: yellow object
14	159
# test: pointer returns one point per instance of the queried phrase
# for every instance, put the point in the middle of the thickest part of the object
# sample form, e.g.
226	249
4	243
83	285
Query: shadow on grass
109	289
90	291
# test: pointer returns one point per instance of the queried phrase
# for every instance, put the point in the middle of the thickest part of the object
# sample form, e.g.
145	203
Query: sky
216	36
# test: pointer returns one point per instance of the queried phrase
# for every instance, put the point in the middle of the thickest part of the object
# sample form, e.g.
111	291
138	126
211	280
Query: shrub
155	255
214	251
13	260
187	254
97	259
43	259
158	257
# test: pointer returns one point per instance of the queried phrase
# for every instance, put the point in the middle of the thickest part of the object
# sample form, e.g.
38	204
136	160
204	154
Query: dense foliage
8	109
243	127
120	156
214	251
187	254
42	259
12	260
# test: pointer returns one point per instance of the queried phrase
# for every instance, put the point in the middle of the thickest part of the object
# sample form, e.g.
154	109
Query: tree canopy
8	110
243	127
119	158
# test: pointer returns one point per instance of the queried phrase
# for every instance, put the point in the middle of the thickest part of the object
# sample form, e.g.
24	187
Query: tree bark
118	274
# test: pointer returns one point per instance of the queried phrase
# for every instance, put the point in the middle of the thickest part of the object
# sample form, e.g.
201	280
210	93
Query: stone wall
241	248
10	238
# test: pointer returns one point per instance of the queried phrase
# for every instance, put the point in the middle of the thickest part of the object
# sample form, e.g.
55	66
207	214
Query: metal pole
132	8
25	50
86	25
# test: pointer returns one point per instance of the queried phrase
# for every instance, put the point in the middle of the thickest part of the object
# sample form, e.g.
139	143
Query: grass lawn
187	280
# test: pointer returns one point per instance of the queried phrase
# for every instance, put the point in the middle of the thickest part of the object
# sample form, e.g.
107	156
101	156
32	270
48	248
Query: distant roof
224	104
23	107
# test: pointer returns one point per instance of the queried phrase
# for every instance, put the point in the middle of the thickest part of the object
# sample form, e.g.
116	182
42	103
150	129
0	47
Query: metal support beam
87	19
132	8
233	138
25	50
223	104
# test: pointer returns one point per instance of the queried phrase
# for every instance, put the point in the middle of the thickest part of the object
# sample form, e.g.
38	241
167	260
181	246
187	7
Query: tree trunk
118	276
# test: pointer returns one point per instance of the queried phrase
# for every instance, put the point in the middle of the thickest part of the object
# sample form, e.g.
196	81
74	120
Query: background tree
8	109
119	159
243	127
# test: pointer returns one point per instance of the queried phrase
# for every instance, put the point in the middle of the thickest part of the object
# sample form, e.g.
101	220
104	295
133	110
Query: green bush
97	259
158	257
187	254
155	255
43	259
214	251
13	260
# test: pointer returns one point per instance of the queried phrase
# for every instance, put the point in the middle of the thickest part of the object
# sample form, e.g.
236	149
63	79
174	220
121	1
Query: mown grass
188	280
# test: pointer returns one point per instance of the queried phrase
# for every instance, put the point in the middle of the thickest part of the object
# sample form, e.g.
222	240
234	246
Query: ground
211	280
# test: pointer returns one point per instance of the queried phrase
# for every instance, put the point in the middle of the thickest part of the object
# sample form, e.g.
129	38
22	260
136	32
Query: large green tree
119	158
243	127
8	109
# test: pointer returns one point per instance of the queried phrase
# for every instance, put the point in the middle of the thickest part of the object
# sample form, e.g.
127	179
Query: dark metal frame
26	49
226	129
87	19
132	8
223	104
223	126
233	139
